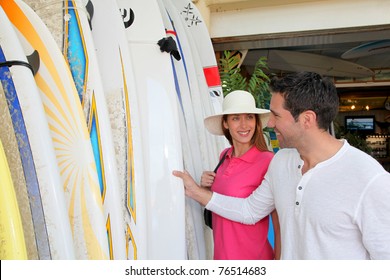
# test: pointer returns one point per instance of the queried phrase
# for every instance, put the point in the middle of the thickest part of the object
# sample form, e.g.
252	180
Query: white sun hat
236	102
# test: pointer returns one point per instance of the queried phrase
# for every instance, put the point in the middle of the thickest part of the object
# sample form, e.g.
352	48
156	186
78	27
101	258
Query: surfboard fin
90	10
168	45
34	61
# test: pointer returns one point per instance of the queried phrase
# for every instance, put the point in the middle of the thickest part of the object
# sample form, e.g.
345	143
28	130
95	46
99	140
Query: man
332	199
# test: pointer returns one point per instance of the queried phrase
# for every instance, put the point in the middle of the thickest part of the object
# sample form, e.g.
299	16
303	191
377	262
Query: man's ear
309	118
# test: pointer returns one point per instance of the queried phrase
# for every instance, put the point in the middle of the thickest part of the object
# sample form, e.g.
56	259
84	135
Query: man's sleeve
373	218
248	210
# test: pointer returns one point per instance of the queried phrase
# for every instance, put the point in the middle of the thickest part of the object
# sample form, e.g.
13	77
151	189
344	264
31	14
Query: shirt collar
249	156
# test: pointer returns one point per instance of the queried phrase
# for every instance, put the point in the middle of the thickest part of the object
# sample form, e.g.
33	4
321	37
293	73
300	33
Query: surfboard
160	129
11	230
197	30
69	133
72	19
199	90
203	98
204	56
46	197
119	87
196	248
371	48
293	61
210	146
7	136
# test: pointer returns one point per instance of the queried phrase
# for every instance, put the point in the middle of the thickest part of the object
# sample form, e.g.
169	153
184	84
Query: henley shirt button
297	203
299	188
299	166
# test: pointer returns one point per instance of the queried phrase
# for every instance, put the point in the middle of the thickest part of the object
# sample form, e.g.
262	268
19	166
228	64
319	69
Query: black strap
220	162
33	62
168	45
10	63
90	10
207	213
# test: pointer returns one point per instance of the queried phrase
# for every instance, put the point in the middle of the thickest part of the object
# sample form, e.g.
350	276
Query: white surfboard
160	130
197	30
298	61
198	86
7	136
72	20
203	52
203	102
117	75
196	248
47	200
371	48
69	133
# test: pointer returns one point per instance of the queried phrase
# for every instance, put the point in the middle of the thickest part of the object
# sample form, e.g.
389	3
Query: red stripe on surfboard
212	76
171	32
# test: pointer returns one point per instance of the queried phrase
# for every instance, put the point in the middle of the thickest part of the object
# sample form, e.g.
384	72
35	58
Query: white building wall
243	18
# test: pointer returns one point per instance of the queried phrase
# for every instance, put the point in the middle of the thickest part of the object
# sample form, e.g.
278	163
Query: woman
242	171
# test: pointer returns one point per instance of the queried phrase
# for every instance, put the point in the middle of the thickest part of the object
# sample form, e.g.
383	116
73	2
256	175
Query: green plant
353	138
358	141
232	78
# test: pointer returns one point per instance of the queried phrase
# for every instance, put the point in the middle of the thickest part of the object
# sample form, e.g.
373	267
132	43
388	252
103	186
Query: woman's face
241	127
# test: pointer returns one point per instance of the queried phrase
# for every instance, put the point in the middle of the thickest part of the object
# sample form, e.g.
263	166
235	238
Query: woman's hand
207	179
192	189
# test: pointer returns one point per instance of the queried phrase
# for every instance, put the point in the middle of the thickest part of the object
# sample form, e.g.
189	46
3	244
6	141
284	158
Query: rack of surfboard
95	114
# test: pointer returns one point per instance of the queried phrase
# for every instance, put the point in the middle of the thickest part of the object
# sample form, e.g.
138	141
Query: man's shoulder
285	157
286	153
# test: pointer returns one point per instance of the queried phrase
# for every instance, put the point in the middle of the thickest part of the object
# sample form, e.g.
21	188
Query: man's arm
373	218
192	189
248	210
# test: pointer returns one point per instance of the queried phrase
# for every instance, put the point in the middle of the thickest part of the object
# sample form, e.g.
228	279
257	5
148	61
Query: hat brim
214	123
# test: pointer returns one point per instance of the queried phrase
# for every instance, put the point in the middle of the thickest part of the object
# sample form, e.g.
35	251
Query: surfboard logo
189	16
128	16
215	93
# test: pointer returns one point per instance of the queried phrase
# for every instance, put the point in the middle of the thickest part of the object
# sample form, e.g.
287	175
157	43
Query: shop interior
364	97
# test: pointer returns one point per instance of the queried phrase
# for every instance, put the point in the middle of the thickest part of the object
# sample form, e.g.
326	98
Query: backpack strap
221	161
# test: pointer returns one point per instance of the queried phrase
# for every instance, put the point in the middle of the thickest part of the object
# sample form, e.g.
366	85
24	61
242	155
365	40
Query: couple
333	200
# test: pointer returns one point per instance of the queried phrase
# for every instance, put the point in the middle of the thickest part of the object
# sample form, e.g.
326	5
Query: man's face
287	130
